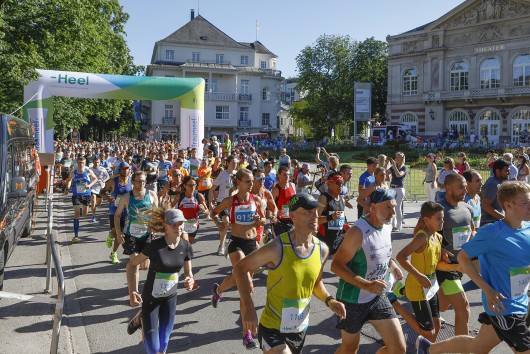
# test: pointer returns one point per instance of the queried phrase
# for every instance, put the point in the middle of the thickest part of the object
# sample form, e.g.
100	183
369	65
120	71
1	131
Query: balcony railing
243	123
476	94
272	72
224	62
219	96
245	97
169	121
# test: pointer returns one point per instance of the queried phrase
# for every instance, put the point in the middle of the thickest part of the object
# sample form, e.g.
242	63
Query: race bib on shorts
165	284
519	280
191	226
460	236
295	316
429	293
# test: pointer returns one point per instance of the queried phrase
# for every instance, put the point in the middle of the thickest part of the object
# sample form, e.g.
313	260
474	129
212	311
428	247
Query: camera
321	166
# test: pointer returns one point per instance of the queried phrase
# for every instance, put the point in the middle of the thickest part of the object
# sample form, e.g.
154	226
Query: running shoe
208	218
114	258
75	239
94	218
422	345
221	251
110	240
248	341
215	296
135	323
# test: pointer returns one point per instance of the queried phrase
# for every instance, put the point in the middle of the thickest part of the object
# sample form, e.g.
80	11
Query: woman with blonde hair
168	254
396	173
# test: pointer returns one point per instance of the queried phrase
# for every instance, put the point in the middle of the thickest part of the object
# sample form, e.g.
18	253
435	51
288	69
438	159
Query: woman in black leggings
168	255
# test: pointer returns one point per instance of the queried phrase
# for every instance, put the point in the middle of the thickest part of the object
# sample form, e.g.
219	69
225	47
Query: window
222	112
213	87
244	60
265	94
170	54
263	64
410	82
265	119
244	87
195	57
521	126
410	120
459	76
459	122
243	113
168	111
521	71
490	73
219	58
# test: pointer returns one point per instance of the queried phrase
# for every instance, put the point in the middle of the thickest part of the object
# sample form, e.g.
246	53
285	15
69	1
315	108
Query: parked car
402	132
18	178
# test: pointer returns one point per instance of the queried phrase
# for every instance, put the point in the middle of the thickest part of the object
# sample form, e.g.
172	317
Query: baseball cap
124	164
305	165
174	216
303	200
382	195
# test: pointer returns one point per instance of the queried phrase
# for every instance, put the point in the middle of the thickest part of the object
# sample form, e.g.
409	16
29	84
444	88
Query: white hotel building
469	70
242	83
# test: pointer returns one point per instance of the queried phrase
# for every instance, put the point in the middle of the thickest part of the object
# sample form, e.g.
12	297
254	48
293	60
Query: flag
257	25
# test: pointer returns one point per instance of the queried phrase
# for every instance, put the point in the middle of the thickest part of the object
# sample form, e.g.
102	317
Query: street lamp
431	113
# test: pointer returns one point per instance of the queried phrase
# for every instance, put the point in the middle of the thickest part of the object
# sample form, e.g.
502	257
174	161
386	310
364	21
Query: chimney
192	14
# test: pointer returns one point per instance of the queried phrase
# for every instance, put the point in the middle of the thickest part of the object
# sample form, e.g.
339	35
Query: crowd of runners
156	193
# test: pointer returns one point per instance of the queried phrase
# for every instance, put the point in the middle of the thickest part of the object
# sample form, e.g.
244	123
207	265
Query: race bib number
191	226
244	214
460	236
165	284
476	221
338	223
80	188
137	229
207	182
67	164
162	173
519	280
285	211
194	171
295	316
429	293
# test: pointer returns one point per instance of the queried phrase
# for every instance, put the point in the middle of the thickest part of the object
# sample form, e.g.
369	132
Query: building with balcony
242	83
288	95
468	71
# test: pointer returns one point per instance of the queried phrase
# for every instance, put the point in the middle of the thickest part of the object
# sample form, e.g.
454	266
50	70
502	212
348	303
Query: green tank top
134	226
289	288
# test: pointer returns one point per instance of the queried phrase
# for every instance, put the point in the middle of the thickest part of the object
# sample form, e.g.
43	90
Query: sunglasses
259	179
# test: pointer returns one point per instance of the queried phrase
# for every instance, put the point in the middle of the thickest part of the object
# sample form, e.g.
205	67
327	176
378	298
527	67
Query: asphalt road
97	306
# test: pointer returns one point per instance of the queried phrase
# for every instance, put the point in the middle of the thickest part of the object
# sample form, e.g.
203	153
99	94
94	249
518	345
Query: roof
258	47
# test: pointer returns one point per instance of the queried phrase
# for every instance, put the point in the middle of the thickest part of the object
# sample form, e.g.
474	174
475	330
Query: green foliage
70	35
328	70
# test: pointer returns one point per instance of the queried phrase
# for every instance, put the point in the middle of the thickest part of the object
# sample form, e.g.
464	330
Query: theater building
466	72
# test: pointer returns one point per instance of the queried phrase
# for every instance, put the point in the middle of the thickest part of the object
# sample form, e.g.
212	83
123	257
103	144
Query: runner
171	190
282	192
365	179
295	260
102	177
190	202
474	188
491	209
379	183
421	286
224	183
246	214
204	182
362	262
266	199
164	166
502	251
195	163
118	186
167	256
458	228
83	179
331	218
135	234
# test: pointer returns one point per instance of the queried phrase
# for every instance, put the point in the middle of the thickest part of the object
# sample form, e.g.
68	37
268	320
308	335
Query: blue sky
286	27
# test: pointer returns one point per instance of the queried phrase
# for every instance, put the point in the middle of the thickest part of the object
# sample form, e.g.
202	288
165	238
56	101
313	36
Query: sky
286	26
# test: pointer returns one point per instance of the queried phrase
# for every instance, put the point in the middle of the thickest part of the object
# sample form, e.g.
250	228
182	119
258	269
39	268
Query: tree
71	35
327	72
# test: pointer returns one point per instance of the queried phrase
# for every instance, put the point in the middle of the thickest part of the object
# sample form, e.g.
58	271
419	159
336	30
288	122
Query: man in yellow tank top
295	261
